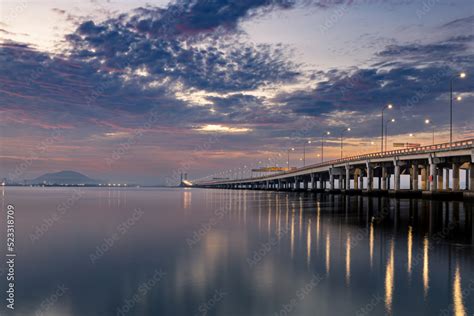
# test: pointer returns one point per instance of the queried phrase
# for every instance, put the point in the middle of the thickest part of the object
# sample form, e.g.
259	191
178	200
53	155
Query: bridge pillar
356	179
305	184
446	179
456	177
384	177
312	181
471	176
414	179
331	179
347	185
433	173
397	176
424	176
297	184
321	181
440	179
370	176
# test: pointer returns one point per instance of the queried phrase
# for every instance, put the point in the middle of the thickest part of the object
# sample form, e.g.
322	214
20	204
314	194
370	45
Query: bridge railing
385	154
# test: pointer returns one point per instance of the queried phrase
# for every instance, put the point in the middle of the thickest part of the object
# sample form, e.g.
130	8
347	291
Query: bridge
429	169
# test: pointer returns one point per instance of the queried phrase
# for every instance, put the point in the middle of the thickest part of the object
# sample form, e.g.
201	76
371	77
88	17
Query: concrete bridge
429	169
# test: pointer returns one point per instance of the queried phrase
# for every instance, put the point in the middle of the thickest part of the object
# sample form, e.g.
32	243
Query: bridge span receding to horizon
430	169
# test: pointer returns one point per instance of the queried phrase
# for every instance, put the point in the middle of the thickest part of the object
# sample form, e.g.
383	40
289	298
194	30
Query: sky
139	92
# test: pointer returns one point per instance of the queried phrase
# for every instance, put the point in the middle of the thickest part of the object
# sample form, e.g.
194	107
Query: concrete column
361	180
347	186
424	175
331	179
370	177
455	177
297	184
356	179
446	179
305	184
397	176
312	181
471	176
414	179
321	182
440	179
433	173
384	177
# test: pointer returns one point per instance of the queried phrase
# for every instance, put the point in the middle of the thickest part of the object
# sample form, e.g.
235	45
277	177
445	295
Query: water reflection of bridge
419	241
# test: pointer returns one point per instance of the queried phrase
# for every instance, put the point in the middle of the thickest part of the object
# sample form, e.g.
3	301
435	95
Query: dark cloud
209	65
466	22
414	77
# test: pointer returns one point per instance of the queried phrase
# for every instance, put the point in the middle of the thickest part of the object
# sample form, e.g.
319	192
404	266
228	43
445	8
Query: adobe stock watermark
124	147
35	154
61	210
334	18
290	307
464	294
368	308
185	166
425	8
20	7
205	228
48	303
265	248
433	240
141	292
121	230
204	308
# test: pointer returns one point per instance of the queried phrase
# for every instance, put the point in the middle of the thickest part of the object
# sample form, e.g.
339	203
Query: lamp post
388	106
322	145
462	75
427	121
342	138
386	132
288	161
304	152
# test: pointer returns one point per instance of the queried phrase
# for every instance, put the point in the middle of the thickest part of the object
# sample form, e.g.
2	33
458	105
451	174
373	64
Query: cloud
222	129
414	77
225	65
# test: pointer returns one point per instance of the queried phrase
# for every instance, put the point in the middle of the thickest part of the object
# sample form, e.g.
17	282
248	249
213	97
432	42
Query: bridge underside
445	170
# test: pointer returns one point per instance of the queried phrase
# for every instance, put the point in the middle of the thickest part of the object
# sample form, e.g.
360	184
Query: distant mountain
63	177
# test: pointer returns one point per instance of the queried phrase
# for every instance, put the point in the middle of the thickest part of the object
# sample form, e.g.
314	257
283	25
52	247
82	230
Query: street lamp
288	161
462	75
386	132
304	152
388	106
322	145
342	137
427	121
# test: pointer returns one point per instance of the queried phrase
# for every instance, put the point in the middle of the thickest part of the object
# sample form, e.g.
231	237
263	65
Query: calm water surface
145	251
